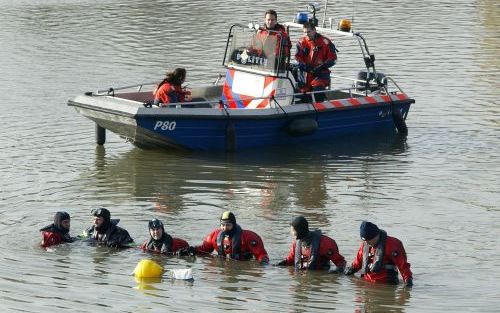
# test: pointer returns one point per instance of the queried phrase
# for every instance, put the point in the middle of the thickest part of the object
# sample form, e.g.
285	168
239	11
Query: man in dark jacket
106	232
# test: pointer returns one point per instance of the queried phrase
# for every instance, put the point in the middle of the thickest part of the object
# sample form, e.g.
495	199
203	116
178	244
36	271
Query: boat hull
226	129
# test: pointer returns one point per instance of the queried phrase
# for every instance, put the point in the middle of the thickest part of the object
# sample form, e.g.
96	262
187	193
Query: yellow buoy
148	269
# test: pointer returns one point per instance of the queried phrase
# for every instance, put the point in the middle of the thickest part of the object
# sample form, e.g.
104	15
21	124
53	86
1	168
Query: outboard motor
375	81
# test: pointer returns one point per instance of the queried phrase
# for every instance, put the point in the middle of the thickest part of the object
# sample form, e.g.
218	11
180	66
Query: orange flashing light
345	25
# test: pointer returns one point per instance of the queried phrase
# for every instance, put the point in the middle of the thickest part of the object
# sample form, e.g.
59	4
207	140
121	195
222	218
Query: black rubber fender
399	122
100	134
230	137
301	126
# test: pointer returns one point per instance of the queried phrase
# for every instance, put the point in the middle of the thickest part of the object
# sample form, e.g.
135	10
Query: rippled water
437	190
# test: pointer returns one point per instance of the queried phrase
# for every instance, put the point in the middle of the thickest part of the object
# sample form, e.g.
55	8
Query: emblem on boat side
244	57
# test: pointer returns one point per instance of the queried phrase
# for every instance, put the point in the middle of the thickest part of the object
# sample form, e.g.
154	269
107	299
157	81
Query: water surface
437	190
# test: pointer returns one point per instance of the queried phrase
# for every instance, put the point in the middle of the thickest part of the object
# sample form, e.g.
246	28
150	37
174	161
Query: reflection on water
379	299
309	287
268	179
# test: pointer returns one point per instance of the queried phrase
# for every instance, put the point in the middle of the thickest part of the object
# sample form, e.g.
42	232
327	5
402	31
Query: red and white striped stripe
355	102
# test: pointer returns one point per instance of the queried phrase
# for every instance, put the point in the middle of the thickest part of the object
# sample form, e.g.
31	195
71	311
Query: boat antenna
353	11
324	13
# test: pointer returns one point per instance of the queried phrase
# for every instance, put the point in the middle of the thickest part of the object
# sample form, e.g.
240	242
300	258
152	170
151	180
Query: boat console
256	64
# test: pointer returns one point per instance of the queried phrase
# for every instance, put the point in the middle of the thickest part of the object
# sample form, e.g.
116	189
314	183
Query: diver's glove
349	271
280	263
304	67
336	270
187	251
409	282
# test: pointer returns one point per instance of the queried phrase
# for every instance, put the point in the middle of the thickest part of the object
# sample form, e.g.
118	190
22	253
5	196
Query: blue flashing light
302	17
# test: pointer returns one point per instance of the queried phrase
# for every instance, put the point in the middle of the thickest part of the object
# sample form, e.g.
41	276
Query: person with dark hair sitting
104	230
311	250
170	89
161	241
57	232
380	256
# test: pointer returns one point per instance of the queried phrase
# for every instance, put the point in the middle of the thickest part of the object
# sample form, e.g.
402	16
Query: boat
257	102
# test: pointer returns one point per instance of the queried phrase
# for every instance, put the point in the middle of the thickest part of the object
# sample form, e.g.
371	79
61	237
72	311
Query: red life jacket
53	235
248	245
167	244
235	249
378	264
51	238
169	93
319	51
283	43
312	261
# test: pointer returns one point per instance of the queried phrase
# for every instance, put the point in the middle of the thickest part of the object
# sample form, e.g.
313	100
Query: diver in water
380	257
161	241
105	231
57	232
311	250
232	242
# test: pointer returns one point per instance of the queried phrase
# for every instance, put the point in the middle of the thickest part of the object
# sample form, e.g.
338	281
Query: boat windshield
253	50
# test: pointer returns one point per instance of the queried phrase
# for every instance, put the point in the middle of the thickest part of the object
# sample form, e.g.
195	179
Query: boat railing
362	83
274	103
275	100
354	81
321	30
388	78
110	91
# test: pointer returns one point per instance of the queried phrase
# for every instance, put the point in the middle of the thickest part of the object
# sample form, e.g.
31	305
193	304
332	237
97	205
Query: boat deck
209	96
